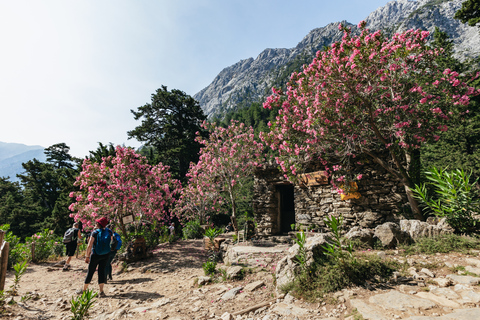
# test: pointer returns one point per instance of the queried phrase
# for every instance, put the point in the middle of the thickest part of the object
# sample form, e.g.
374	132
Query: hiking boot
102	295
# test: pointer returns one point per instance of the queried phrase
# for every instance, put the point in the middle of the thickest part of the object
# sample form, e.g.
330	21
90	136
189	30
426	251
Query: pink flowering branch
227	159
365	96
123	185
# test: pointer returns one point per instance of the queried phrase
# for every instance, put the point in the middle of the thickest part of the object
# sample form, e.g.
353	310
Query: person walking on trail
70	240
98	250
112	254
172	229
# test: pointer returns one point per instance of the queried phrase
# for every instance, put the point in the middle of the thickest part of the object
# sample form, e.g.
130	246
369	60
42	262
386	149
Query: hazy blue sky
70	71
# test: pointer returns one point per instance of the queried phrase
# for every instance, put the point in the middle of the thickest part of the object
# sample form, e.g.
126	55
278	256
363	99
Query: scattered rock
230	294
390	234
254	285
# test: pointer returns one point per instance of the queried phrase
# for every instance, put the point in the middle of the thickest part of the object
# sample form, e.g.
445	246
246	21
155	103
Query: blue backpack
119	241
102	243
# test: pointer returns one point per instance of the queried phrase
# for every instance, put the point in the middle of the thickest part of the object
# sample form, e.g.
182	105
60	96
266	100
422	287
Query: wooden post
2	236
32	250
3	263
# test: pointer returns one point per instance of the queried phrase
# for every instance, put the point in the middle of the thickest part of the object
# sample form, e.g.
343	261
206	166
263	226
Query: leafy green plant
454	198
442	244
223	274
301	239
209	267
211	234
192	230
20	269
335	247
80	305
2	299
45	243
18	251
328	275
293	227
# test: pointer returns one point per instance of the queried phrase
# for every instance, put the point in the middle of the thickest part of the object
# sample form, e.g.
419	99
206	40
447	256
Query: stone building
278	204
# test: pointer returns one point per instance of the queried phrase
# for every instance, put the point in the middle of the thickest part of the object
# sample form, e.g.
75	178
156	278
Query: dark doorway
286	207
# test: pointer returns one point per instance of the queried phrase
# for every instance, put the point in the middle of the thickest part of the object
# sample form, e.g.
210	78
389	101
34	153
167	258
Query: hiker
98	250
229	227
172	228
113	252
70	239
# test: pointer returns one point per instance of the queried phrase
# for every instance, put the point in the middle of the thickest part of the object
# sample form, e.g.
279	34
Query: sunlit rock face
250	80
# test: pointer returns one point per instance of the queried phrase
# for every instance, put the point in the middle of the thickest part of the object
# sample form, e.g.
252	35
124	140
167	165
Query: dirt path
160	287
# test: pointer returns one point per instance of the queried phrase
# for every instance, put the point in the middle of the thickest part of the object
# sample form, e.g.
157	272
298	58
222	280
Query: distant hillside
250	80
12	155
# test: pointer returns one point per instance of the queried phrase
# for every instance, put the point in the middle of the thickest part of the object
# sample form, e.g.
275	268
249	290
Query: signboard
352	193
127	219
313	178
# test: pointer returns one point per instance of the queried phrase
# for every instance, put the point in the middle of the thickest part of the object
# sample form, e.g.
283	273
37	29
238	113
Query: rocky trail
172	285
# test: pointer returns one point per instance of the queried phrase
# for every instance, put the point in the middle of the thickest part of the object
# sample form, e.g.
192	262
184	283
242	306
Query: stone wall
382	200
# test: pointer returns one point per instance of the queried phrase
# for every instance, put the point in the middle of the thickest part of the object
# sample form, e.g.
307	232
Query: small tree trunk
417	212
233	218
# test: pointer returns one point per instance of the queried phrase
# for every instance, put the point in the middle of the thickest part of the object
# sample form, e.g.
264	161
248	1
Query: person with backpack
98	250
70	240
113	253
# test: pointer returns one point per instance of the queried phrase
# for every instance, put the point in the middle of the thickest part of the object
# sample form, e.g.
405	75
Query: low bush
192	230
329	275
443	244
209	267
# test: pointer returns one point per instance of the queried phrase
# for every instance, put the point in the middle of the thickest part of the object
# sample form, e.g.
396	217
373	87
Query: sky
71	71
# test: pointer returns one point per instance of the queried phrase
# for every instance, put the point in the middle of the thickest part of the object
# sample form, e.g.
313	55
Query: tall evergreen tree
469	13
169	124
46	186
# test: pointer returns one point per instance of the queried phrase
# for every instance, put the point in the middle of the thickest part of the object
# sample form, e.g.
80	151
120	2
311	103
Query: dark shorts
71	247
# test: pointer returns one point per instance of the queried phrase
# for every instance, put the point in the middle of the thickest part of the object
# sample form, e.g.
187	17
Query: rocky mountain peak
250	80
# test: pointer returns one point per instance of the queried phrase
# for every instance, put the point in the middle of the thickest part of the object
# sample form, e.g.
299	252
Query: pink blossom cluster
227	159
124	184
363	94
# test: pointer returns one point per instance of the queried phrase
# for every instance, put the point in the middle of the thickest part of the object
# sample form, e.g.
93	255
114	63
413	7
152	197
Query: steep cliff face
250	80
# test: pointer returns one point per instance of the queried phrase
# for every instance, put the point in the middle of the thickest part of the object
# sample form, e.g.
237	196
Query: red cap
102	221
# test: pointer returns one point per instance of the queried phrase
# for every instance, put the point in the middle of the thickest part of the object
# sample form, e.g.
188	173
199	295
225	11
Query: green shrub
454	197
45	243
192	230
18	251
443	244
329	275
209	267
79	306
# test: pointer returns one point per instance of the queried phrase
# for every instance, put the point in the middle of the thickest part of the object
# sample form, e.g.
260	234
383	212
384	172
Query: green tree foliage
459	146
254	116
14	209
169	125
469	13
101	152
46	186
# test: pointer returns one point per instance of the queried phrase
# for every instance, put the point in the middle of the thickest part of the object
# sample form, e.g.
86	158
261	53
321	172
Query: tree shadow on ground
180	254
136	295
130	281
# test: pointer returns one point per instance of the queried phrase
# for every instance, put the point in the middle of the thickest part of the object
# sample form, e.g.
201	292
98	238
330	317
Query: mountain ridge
12	155
250	80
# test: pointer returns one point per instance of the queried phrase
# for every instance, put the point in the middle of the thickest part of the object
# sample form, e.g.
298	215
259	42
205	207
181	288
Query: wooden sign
127	219
352	193
313	178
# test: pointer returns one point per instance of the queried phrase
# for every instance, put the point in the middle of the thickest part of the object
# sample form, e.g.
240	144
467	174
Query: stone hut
278	204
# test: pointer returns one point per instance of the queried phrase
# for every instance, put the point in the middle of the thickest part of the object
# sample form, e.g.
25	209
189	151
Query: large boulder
418	229
288	266
360	234
391	235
